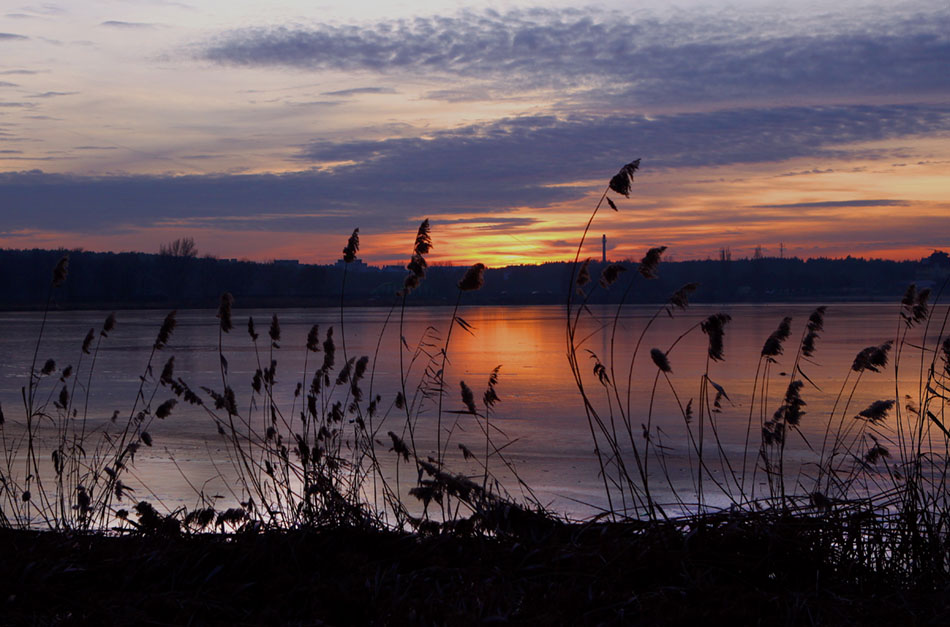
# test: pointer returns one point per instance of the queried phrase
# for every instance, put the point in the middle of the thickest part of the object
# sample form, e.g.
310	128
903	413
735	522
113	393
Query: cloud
695	57
12	37
7	84
462	94
806	172
834	204
492	222
54	94
552	149
47	8
357	91
127	25
313	103
486	170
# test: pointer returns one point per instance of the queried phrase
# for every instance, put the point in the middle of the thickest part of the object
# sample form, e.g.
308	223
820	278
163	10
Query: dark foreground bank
752	570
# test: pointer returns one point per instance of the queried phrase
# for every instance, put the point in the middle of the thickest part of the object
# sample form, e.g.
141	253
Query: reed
870	501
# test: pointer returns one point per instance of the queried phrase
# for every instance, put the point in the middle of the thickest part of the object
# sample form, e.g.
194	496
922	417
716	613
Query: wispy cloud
689	58
546	148
481	170
835	204
489	223
12	37
127	25
358	91
53	94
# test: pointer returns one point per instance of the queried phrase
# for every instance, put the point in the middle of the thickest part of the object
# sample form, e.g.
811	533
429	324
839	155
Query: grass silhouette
334	501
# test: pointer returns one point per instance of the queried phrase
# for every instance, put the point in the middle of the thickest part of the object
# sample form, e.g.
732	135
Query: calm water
540	410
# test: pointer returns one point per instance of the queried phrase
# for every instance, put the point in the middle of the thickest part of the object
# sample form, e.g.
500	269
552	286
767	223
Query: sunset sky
271	129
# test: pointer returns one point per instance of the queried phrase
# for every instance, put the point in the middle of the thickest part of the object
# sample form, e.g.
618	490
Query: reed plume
876	412
165	409
352	247
329	351
791	410
473	279
876	452
661	360
165	332
816	322
914	307
224	312
773	345
583	275
872	358
610	274
87	342
168	371
399	446
622	180
714	328
274	331
491	396
680	298
313	339
650	262
417	263
468	397
423	242
60	271
108	325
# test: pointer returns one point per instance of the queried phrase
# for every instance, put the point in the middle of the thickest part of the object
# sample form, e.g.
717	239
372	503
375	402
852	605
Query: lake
540	416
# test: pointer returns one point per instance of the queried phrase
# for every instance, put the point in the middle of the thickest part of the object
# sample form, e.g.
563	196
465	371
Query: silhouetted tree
181	247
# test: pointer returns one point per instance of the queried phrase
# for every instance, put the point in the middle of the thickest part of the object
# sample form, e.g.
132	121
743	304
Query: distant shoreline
149	281
374	305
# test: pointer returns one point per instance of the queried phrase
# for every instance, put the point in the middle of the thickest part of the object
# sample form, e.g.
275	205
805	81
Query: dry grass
320	533
749	569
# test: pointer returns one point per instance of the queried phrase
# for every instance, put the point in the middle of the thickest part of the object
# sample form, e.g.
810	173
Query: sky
270	130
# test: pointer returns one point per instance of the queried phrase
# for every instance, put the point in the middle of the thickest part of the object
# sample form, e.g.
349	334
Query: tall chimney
603	242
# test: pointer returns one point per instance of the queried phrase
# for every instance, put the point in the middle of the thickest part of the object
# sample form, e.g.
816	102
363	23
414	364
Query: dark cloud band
483	169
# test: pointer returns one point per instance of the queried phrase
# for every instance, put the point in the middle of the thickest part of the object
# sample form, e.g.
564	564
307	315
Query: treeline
140	280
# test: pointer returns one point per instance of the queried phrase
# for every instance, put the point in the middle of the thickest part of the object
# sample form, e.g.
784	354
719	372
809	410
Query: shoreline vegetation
337	515
109	281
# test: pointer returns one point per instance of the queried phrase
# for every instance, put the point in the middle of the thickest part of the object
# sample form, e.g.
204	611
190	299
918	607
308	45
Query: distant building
357	265
286	262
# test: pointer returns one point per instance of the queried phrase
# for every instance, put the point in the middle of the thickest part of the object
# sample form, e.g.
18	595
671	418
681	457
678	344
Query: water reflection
540	410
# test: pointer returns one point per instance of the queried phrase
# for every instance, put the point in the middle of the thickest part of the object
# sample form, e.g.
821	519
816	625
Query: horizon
270	133
667	258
